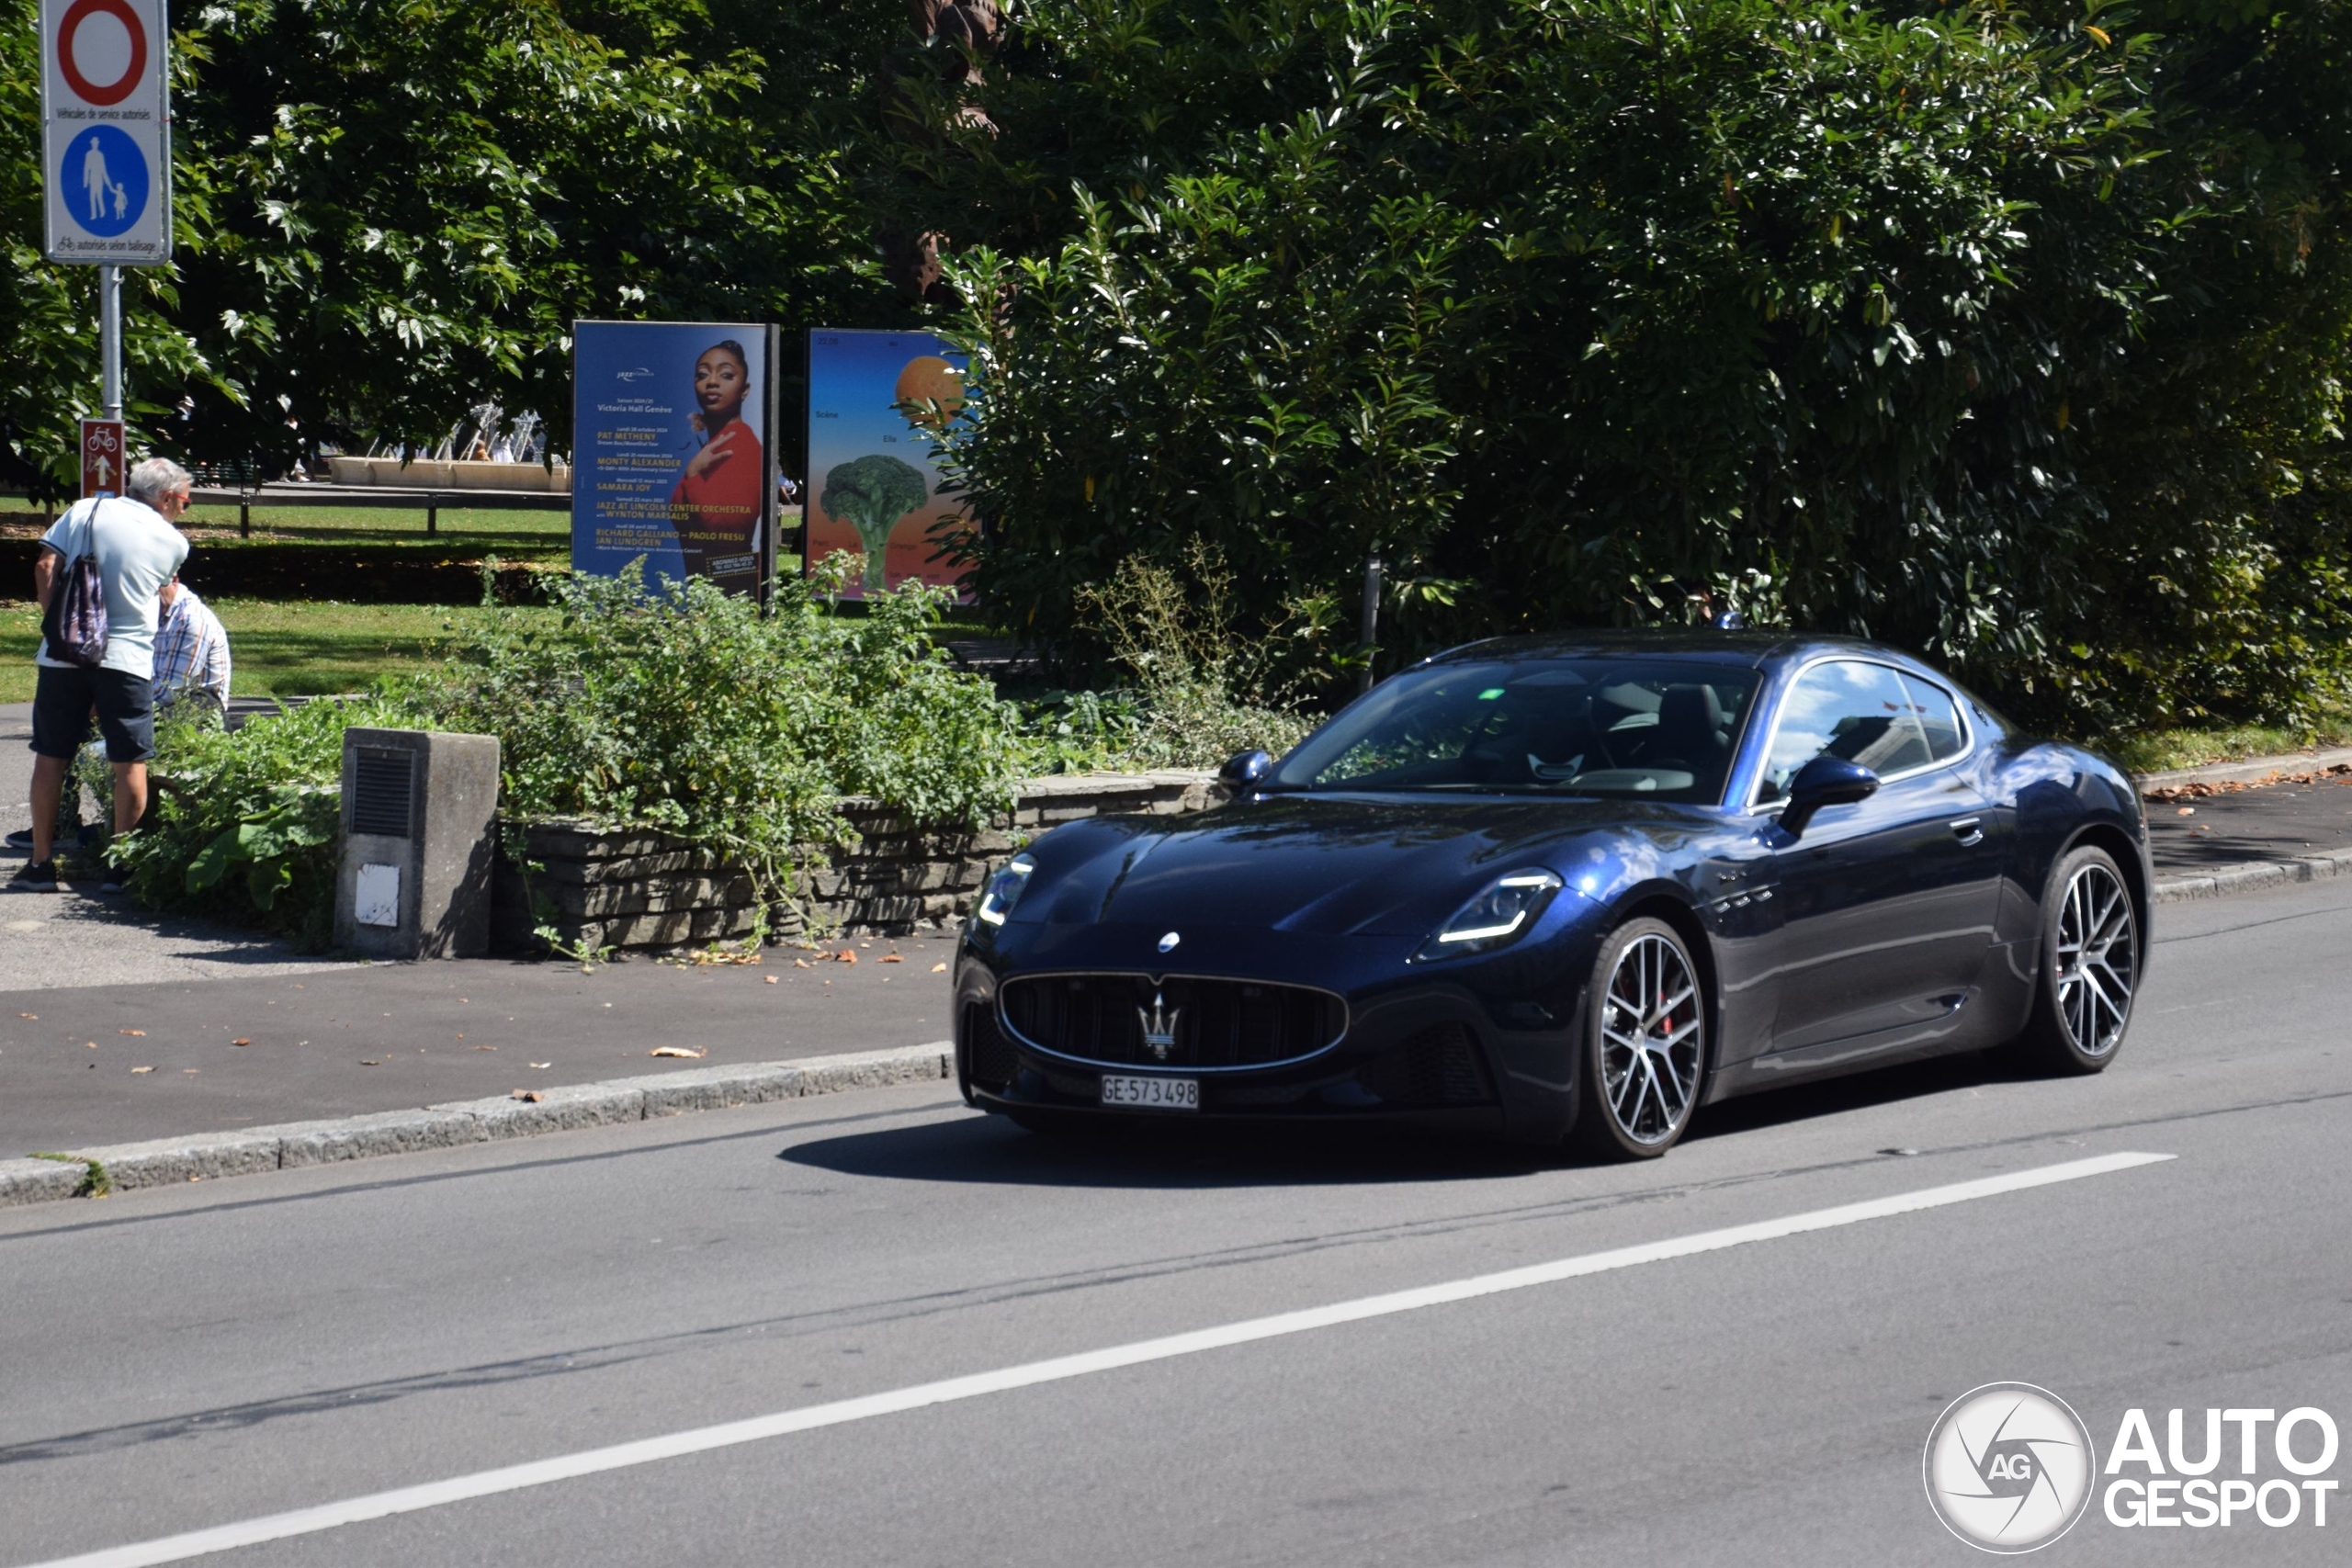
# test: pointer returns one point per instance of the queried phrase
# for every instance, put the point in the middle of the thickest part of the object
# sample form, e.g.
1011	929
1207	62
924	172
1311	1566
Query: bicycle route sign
106	131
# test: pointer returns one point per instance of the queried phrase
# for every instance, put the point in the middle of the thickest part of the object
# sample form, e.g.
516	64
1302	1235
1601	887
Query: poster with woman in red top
717	503
674	463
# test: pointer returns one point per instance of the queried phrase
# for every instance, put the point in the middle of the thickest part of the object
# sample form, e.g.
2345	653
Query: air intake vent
383	796
1438	1066
987	1054
1178	1021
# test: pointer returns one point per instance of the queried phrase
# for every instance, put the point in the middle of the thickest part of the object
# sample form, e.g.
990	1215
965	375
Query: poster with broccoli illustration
873	400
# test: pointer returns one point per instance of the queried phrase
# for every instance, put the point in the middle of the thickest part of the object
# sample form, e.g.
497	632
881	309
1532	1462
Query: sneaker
22	839
115	882
35	877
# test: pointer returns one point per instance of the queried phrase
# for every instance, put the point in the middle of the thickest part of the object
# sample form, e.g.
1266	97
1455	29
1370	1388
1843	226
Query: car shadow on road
975	1147
1163	1154
1859	1092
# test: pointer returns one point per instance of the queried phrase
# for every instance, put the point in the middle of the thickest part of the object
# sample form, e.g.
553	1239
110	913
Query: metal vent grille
988	1056
383	795
1438	1066
1209	1022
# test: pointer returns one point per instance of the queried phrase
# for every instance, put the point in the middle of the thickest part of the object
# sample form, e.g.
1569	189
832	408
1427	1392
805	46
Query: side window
1939	718
1849	709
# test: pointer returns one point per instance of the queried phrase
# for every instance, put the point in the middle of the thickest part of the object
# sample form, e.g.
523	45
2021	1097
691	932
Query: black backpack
75	625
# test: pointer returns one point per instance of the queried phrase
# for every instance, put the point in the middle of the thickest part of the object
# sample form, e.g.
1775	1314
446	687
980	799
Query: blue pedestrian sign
104	179
106	131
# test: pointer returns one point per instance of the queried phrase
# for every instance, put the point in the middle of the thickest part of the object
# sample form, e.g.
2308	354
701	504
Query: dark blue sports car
1572	886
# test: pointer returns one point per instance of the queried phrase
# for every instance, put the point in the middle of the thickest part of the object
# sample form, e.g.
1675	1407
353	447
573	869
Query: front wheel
2090	966
1646	1044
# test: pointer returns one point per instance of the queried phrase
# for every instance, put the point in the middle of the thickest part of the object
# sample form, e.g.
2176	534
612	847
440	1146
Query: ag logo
2009	1467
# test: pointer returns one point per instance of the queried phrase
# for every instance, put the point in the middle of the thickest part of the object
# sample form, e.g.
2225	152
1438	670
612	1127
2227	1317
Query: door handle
1969	831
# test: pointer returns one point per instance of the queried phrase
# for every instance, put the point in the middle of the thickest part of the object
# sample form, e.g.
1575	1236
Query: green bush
2012	333
679	708
244	825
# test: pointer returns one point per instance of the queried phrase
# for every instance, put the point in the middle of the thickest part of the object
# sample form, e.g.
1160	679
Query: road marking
702	1439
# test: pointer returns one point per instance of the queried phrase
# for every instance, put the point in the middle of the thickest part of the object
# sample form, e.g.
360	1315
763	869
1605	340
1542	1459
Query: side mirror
1824	781
1242	772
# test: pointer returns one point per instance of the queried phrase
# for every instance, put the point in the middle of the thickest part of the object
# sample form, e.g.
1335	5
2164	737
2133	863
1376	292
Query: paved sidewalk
325	1039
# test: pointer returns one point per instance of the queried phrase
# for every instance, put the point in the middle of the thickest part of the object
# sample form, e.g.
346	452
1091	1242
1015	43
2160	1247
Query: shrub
682	708
244	823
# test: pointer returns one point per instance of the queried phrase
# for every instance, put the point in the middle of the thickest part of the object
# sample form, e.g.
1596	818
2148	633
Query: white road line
647	1451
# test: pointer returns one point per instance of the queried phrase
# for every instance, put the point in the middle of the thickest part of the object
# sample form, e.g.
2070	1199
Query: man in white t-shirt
138	551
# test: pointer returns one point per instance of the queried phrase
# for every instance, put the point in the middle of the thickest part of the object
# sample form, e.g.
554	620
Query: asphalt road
197	1357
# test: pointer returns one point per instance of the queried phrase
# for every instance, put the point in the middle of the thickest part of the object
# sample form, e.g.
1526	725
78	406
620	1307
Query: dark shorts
61	702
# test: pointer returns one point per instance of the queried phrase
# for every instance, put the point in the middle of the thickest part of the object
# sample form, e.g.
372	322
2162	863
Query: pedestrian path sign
106	131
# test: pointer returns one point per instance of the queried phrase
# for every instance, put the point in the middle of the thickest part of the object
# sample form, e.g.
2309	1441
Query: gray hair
156	478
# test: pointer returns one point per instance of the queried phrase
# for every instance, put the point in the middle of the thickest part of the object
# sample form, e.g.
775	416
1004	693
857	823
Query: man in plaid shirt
191	653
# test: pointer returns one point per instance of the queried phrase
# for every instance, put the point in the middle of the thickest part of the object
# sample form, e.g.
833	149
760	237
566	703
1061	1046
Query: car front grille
1181	1022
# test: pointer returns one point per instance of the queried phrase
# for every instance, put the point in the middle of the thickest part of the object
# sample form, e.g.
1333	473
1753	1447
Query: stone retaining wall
636	891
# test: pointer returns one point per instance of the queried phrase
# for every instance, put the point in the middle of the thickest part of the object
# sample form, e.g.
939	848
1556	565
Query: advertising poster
873	400
673	455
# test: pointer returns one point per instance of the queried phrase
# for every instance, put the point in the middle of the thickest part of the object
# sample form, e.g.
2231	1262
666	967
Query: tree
874	493
1990	330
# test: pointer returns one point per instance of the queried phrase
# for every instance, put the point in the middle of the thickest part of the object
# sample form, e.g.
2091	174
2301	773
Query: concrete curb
2251	768
166	1162
2252	876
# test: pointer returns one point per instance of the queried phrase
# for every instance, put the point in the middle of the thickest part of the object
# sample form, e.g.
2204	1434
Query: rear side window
1849	709
1939	718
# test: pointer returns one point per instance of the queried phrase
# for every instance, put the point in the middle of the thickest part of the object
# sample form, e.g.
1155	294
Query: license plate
1151	1094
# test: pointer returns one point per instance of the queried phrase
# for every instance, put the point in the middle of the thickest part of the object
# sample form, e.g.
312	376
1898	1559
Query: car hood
1331	864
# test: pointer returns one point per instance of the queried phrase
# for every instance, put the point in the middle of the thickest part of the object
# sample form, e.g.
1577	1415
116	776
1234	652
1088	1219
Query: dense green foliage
683	709
2012	331
387	213
2011	334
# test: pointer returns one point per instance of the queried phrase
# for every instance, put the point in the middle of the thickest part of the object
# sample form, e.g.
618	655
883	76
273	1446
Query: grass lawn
521	535
2158	750
294	648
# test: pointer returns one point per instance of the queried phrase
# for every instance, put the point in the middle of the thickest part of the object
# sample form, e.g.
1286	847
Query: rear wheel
1646	1044
2090	966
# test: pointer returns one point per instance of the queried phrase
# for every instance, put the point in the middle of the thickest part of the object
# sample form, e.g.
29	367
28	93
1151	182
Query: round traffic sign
105	180
97	94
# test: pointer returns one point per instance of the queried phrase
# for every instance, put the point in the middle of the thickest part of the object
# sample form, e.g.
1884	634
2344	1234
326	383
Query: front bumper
1481	1045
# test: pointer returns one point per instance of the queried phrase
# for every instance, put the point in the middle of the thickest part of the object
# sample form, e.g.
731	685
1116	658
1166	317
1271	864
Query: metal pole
110	339
1371	619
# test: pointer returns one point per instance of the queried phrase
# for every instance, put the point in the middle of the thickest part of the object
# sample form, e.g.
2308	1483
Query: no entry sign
106	131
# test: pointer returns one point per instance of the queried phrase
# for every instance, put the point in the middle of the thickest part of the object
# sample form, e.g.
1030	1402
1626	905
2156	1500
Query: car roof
1695	644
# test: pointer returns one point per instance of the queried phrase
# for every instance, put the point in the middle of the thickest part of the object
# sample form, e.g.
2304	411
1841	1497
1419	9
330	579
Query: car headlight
1004	890
1504	910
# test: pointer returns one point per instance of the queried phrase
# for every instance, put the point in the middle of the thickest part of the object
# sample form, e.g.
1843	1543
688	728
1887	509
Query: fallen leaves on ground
800	963
143	1069
191	1071
140	1033
240	1040
34	1016
540	1067
676	1051
769	979
940	967
485	1047
845	956
369	1062
2167	794
530	1095
890	958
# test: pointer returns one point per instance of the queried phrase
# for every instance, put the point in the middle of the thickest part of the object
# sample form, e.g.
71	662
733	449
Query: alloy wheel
1652	1040
2098	951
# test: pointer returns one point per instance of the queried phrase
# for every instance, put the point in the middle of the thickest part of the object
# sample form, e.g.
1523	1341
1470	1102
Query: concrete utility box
419	841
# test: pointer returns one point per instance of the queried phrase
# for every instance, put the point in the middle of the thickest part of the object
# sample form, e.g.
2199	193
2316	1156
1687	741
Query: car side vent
1438	1066
987	1054
383	796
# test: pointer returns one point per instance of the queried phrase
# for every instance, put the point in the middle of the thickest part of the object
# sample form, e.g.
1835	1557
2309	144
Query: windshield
1591	727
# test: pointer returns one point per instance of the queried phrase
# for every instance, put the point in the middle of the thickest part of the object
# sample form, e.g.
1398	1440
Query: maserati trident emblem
1168	943
1159	1026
